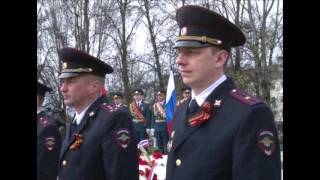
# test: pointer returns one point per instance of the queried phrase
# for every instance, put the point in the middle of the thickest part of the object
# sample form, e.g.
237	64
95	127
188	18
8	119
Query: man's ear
222	57
95	85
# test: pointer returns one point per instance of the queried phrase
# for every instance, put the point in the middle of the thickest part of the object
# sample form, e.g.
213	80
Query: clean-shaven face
75	90
197	65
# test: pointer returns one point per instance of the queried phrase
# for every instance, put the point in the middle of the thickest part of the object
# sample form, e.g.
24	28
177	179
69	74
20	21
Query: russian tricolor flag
151	175
171	101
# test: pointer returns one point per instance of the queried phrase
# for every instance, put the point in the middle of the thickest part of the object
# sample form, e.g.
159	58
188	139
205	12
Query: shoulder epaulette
44	122
183	100
125	105
244	97
146	102
109	108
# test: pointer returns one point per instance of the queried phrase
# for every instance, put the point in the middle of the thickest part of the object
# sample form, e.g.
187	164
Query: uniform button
64	162
178	162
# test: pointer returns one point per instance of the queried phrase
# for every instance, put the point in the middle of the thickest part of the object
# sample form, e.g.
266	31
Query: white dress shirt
200	98
79	117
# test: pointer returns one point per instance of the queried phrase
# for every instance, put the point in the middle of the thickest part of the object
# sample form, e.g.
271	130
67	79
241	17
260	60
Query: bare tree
63	23
136	37
262	40
122	35
151	24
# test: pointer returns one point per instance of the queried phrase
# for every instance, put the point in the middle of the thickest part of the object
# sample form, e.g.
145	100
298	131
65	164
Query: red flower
154	177
157	155
141	172
142	162
147	172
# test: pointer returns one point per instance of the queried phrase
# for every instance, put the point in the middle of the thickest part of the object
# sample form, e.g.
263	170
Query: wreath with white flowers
151	167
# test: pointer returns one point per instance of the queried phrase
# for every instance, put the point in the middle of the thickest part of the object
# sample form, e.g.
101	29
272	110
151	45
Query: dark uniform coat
237	141
103	146
145	111
180	102
158	122
48	148
125	108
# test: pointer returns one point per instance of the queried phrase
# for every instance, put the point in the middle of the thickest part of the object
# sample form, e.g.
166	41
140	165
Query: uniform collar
204	94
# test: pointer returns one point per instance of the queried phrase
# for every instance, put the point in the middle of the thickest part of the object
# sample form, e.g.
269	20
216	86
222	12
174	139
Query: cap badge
184	31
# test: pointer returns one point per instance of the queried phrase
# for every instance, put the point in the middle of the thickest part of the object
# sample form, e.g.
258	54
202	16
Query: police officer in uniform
118	101
48	140
141	115
186	92
99	144
159	123
221	132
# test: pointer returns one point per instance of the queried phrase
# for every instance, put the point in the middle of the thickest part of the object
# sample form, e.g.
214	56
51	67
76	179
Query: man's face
76	91
117	100
161	97
137	97
186	95
198	66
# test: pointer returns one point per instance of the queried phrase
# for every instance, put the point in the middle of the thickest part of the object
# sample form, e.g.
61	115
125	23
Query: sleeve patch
49	143
123	137
266	141
244	97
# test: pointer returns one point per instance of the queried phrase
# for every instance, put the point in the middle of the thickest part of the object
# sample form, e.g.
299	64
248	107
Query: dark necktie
193	107
73	128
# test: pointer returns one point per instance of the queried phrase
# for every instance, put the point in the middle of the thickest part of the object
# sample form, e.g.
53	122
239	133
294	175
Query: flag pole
170	100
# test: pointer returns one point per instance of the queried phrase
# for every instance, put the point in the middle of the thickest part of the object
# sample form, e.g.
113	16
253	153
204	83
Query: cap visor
190	44
68	75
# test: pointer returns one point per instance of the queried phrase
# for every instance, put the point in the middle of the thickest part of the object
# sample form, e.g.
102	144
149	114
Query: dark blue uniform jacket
48	148
102	147
238	141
